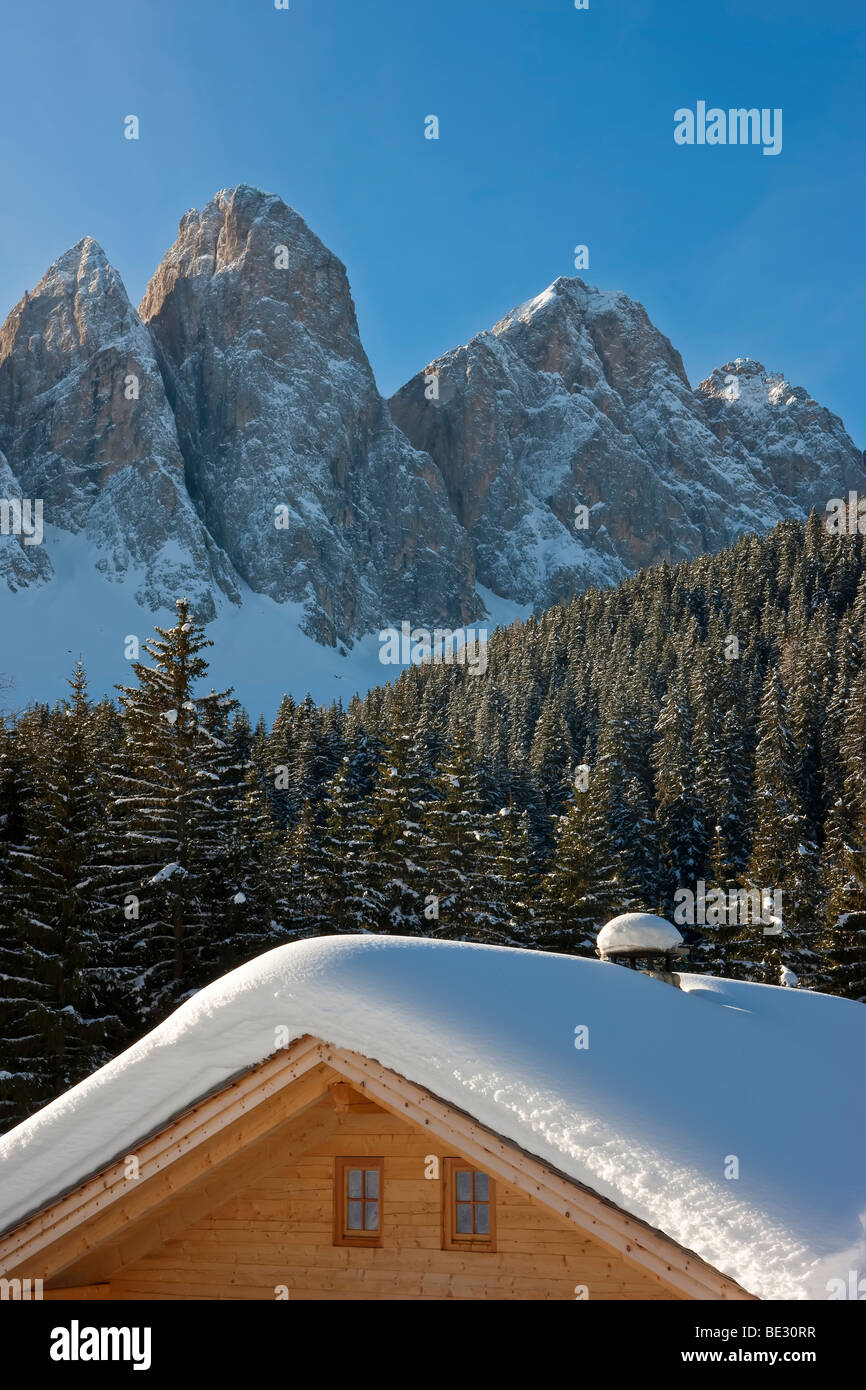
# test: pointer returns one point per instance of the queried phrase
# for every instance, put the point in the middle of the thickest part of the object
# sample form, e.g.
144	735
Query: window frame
451	1239
366	1162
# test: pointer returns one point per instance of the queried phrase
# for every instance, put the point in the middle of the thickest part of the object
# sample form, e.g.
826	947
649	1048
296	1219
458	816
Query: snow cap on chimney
644	937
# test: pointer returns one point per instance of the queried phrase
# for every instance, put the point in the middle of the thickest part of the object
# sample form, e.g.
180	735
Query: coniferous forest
701	723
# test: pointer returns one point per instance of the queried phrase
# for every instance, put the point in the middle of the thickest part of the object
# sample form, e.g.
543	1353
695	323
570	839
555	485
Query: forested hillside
704	723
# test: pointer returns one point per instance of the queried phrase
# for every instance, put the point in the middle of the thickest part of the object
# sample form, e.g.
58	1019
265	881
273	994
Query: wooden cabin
371	1117
321	1174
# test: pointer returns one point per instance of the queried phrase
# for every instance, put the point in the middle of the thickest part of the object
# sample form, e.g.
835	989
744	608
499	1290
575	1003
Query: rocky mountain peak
69	311
277	412
256	260
588	337
750	385
575	450
85	427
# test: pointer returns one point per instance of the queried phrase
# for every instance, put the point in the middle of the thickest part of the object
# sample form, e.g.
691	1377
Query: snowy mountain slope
260	647
575	398
672	1084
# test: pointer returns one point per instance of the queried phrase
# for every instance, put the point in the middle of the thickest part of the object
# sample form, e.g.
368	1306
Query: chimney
642	941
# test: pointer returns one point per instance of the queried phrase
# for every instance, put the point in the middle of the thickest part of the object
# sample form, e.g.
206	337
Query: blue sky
556	128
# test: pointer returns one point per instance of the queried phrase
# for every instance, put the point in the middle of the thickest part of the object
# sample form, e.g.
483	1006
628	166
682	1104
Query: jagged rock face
86	428
791	443
575	399
277	408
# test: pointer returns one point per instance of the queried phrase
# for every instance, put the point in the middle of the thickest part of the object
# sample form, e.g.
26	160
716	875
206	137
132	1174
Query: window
469	1218
358	1201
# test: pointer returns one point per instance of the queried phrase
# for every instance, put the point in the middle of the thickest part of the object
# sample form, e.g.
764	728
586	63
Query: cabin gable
275	1237
239	1198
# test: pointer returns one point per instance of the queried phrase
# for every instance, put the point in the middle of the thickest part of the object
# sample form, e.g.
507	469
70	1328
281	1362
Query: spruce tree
583	887
60	1027
620	773
352	903
507	912
252	913
783	859
454	828
399	884
169	813
844	939
681	817
300	869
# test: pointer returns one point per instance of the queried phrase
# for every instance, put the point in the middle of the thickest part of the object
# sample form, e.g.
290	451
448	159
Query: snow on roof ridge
672	1082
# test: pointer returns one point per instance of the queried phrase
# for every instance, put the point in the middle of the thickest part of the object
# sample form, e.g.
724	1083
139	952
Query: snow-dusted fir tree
315	749
722	767
455	827
723	784
551	754
680	817
620	775
721	947
490	734
280	762
346	839
583	886
172	796
507	911
17	786
844	938
302	879
247	908
61	1026
809	681
841	758
783	858
18	789
397	879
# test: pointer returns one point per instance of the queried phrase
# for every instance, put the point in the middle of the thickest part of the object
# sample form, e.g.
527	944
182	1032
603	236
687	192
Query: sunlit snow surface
674	1084
259	648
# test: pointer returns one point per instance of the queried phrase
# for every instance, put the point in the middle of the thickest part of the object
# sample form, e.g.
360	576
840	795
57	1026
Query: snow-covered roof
635	931
673	1085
